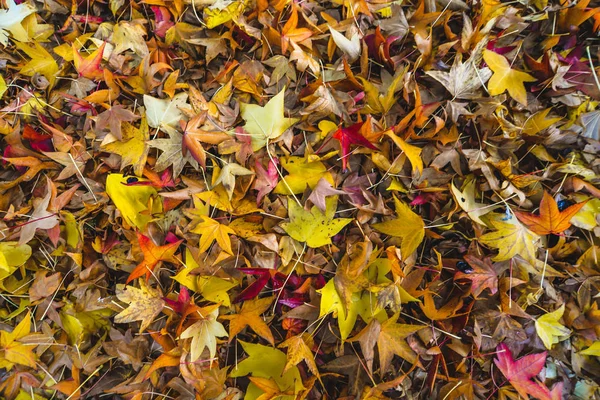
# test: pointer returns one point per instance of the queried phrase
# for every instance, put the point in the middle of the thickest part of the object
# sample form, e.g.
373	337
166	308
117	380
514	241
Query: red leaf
520	372
349	136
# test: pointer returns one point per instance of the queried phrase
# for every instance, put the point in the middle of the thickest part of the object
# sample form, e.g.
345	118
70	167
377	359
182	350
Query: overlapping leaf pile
299	199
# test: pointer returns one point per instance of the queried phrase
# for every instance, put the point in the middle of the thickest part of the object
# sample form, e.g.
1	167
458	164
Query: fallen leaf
505	78
143	304
204	333
266	123
521	372
250	315
511	238
550	330
313	227
407	225
550	220
153	254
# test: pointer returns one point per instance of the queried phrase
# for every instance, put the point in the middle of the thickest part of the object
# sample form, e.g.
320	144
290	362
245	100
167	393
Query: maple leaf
391	341
550	330
113	117
321	191
349	136
303	171
129	36
164	113
463	80
506	78
40	218
593	350
10	20
172	154
211	230
12	255
511	238
89	67
267	362
413	153
270	388
408	226
204	333
266	179
550	220
12	350
132	148
466	200
520	372
41	61
313	227
153	254
290	33
143	304
249	315
299	349
265	275
227	176
136	203
538	122
266	123
483	276
351	47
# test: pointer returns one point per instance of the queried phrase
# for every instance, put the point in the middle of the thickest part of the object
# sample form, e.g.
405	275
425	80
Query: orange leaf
153	254
550	220
250	316
89	67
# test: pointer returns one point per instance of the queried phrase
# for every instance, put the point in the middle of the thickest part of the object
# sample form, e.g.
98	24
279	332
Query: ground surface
299	199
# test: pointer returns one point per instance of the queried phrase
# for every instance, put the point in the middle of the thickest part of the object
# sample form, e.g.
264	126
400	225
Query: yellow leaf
593	350
466	201
538	122
12	255
299	349
136	203
332	303
204	333
303	171
133	149
314	227
211	230
249	315
506	78
408	226
391	341
144	304
215	16
413	153
586	217
41	62
550	330
3	87
211	287
14	352
511	238
266	123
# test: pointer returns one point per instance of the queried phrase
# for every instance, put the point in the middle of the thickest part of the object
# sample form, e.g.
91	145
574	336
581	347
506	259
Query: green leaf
267	362
266	123
314	227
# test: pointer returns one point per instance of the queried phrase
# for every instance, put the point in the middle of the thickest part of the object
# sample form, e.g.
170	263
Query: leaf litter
299	200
